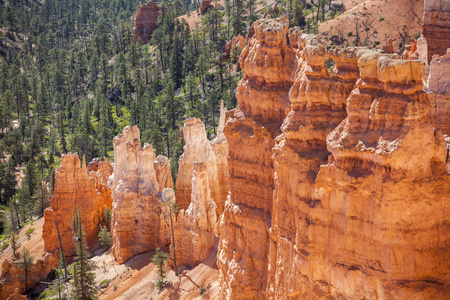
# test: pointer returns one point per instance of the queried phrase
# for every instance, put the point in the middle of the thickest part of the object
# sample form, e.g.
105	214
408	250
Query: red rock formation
74	189
436	26
411	51
136	208
99	173
439	88
318	105
145	21
12	283
250	130
347	206
206	4
195	229
237	41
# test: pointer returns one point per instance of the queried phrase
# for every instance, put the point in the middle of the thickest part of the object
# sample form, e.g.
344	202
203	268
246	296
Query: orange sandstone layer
348	197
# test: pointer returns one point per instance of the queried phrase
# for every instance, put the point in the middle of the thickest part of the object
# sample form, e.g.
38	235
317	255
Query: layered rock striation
347	198
436	26
318	99
269	68
145	21
136	197
74	189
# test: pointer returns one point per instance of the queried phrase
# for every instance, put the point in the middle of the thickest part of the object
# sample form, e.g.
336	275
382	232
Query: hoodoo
145	21
136	197
74	189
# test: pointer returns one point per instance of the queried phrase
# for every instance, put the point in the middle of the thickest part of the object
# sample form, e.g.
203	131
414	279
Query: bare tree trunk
63	257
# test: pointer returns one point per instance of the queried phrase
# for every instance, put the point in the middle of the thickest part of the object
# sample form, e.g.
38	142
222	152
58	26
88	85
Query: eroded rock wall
436	26
382	219
319	98
250	130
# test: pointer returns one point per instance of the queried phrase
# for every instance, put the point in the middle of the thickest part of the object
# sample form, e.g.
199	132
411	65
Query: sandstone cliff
350	201
136	208
73	188
145	21
436	26
250	130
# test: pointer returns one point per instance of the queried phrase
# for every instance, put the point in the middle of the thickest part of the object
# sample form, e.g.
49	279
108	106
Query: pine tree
159	259
105	237
25	263
84	286
13	241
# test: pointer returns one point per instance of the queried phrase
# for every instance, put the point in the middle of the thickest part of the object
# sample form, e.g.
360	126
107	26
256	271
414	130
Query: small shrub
29	232
5	245
417	35
349	34
366	27
381	19
202	289
376	43
104	283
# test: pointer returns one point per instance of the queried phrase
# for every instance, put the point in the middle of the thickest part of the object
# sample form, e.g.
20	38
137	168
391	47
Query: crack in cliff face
350	174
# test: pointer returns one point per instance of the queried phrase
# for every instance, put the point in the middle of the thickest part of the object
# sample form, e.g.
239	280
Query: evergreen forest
71	78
